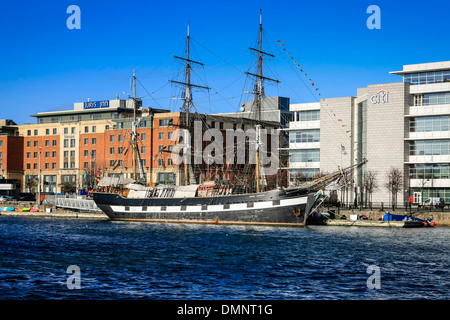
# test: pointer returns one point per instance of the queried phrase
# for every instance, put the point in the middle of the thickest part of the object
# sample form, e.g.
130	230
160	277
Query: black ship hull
278	207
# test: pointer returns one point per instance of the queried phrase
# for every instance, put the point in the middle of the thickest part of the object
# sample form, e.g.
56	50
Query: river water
133	260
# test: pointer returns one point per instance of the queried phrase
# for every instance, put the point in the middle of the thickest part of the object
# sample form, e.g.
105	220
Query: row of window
427	193
165	122
306	115
304	155
306	173
46	166
47	154
427	77
95	116
426	171
431	99
428	124
66	129
47	131
143	136
113	163
66	143
166	178
429	147
47	143
86	128
301	136
235	126
119	163
120	150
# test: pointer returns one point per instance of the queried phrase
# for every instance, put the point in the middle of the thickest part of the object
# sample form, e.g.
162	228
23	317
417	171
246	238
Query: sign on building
382	96
96	104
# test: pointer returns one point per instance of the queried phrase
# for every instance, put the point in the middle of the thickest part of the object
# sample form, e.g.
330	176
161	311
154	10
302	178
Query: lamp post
39	179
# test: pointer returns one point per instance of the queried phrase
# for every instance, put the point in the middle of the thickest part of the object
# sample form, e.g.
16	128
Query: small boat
7	209
428	222
388	220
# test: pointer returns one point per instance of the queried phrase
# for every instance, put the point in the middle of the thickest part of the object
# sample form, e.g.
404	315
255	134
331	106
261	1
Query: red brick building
74	149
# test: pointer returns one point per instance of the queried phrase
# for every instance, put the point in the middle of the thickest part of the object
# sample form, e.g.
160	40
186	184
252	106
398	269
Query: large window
50	183
305	155
166	178
300	136
165	122
297	175
429	147
428	124
428	171
434	193
427	77
431	99
309	115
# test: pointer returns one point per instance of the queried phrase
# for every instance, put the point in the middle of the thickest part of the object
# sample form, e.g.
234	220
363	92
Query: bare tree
31	184
394	184
370	184
68	187
345	181
299	178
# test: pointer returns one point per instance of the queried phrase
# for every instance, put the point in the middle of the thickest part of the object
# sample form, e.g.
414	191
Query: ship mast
259	95
188	104
134	135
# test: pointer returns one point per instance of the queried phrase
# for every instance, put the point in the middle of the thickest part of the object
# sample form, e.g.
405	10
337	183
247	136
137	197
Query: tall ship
215	201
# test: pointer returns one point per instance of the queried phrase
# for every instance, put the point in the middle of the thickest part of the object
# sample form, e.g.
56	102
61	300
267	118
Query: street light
39	179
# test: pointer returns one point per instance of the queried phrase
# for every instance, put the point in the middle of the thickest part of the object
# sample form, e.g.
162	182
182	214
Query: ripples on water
132	260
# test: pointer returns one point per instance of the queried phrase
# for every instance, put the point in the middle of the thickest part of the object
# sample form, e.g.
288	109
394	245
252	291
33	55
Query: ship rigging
193	202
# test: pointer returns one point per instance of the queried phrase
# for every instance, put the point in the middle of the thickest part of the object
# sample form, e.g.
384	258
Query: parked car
434	201
27	197
2	199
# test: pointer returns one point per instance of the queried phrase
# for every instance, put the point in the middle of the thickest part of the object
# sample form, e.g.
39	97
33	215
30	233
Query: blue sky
44	66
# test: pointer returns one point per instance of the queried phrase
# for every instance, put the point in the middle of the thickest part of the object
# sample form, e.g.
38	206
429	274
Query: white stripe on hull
213	208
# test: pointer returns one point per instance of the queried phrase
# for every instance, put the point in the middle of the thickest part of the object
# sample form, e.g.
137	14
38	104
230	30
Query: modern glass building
401	127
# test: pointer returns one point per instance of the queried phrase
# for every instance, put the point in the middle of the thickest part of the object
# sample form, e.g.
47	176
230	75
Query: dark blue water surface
132	260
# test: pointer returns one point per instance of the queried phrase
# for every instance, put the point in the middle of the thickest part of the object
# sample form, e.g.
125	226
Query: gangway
77	204
74	203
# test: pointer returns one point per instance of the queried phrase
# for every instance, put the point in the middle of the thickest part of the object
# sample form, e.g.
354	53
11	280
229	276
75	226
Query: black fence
387	206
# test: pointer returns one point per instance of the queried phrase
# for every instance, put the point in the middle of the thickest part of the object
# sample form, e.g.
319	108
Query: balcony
439	109
428	135
429	183
304	165
295	125
429	159
429	88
